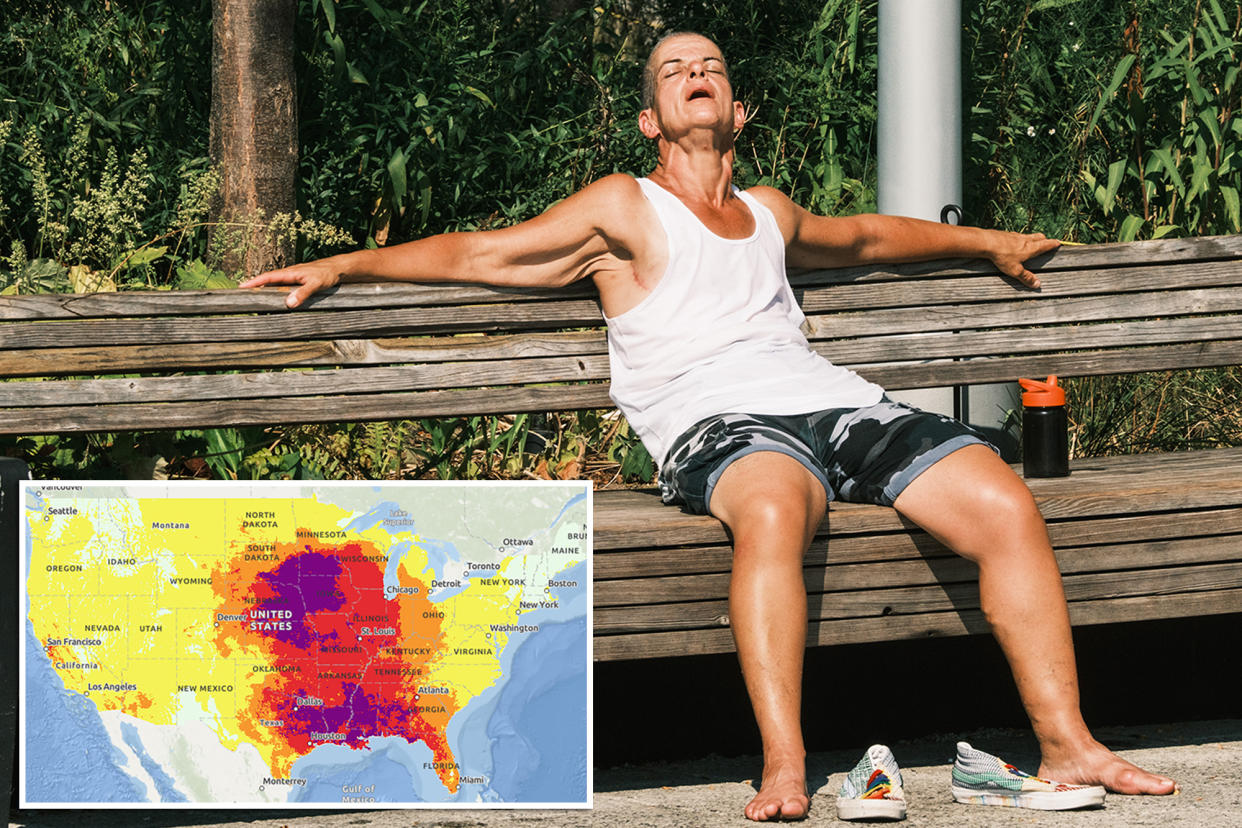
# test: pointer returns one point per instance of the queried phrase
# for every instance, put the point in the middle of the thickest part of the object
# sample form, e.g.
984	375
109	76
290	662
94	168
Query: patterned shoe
982	779
873	788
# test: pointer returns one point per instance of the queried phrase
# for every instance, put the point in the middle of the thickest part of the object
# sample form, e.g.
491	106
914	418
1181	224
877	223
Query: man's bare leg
973	503
772	505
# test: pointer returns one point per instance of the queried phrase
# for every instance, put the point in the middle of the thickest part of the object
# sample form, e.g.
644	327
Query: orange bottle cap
1040	394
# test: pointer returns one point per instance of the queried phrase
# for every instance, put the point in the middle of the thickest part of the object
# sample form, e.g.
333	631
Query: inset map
337	644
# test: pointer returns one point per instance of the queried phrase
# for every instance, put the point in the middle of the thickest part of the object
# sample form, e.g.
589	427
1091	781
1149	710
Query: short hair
649	70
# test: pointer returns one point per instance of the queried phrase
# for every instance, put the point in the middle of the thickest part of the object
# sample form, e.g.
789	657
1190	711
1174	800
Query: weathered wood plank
909	293
1117	486
1037	339
637	592
367	296
339	381
292	325
898	546
402	295
931	625
125	359
356	408
1068	257
1071	364
1026	312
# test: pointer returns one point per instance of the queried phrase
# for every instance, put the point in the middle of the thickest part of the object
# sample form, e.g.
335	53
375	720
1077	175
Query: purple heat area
303	584
359	718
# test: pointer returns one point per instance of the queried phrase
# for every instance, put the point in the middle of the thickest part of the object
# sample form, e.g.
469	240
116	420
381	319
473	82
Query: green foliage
1089	121
1165	411
1106	122
103	111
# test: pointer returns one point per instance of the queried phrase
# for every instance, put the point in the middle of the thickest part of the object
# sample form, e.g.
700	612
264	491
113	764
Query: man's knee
768	492
974	503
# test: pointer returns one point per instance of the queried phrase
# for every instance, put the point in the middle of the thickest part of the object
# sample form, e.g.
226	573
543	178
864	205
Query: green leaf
355	74
329	12
1229	195
479	94
198	276
145	255
1165	158
637	463
397	175
1130	227
378	13
1119	76
1115	171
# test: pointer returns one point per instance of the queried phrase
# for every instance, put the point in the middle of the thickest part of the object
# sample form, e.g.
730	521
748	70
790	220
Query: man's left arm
821	241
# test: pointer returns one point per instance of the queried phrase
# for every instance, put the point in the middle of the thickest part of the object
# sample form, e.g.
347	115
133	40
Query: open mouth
699	94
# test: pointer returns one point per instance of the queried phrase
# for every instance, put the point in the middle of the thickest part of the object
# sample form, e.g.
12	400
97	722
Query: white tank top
720	332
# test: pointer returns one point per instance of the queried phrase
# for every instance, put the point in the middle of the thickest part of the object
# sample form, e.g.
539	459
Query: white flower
1052	131
1074	48
1030	132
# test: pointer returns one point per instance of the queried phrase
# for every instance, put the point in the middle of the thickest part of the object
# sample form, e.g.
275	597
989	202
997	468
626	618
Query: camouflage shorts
864	455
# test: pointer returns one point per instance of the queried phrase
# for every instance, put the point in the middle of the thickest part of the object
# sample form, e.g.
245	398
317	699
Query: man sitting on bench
750	425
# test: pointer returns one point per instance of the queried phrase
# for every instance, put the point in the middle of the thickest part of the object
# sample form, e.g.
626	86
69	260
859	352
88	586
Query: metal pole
920	158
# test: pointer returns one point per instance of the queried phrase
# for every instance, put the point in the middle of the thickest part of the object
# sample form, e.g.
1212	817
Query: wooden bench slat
355	408
1026	312
896	546
362	296
901	601
928	625
979	288
389	295
404	320
1119	486
935	374
640	592
334	381
357	352
132	359
292	325
968	344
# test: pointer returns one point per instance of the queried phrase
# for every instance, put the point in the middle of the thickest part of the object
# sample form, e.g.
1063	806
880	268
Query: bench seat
1137	537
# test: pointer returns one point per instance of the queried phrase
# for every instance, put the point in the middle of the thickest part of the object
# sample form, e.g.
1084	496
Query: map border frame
232	486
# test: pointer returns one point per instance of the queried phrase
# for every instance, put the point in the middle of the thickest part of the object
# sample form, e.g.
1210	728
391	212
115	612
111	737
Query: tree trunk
253	131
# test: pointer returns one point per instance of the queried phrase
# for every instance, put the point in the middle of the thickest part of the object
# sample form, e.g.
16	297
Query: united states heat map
276	644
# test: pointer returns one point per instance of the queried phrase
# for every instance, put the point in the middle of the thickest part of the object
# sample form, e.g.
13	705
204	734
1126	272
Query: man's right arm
560	246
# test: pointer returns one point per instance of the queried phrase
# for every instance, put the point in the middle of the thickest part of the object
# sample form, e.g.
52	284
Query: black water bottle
1045	429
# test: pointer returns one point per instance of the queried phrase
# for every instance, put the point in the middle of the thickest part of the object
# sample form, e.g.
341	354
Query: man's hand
1010	252
309	278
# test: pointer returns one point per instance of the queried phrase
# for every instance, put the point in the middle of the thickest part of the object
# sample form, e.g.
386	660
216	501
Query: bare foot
782	794
1097	765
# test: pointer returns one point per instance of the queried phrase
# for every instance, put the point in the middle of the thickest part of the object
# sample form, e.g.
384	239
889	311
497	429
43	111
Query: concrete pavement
1205	757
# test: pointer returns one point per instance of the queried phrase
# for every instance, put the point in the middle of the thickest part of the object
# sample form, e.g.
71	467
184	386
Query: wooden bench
1138	537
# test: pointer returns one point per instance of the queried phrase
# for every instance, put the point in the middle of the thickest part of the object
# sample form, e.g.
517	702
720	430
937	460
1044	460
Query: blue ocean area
69	757
539	728
385	773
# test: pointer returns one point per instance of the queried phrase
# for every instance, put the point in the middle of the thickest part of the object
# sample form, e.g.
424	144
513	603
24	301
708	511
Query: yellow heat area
469	658
60	558
152	631
249	521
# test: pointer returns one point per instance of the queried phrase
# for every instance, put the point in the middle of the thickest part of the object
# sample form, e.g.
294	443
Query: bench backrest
369	352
